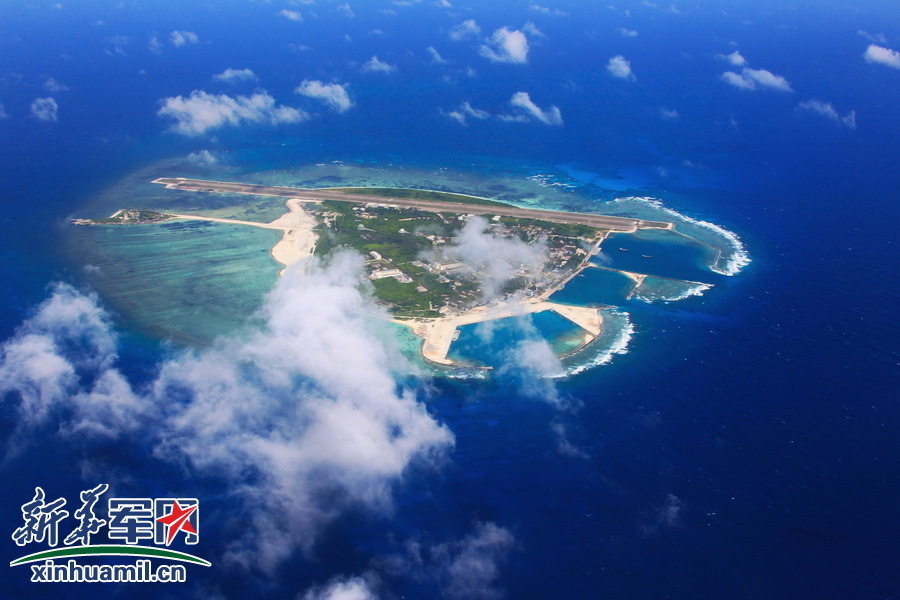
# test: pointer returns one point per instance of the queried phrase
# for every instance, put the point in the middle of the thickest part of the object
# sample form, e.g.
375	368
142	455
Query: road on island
623	224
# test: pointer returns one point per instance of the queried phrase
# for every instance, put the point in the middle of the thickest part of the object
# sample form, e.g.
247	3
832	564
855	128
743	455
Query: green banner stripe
111	550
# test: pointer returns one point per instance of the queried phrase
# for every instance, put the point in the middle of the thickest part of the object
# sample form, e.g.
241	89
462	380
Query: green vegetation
397	243
397	235
380	234
404	297
390	232
422	195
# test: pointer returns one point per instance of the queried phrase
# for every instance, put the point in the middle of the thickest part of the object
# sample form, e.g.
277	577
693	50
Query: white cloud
462	569
436	57
525	110
551	116
669	114
443	4
53	86
671	8
532	362
45	109
353	588
493	257
298	435
471	111
332	94
154	45
752	79
671	512
345	10
625	32
563	445
532	29
767	79
3	113
456	115
514	118
300	421
198	113
204	158
506	46
467	29
291	15
466	110
374	65
738	81
537	8
878	38
883	56
735	58
828	111
469	568
235	75
117	44
32	367
61	360
669	515
183	38
618	66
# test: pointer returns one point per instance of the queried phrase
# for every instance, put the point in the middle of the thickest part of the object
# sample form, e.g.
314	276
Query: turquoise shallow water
188	281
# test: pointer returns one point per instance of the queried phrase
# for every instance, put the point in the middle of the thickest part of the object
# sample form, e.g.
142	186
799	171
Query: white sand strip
298	241
437	334
588	319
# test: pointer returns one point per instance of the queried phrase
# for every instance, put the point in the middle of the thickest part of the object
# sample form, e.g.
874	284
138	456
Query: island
127	216
404	236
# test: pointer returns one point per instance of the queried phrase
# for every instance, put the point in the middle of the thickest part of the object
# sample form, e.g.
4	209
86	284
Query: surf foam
618	345
737	259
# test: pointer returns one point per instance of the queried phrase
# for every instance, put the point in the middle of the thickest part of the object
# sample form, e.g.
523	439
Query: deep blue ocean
746	445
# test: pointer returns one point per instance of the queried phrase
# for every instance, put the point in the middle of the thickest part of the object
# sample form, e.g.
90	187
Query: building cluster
450	283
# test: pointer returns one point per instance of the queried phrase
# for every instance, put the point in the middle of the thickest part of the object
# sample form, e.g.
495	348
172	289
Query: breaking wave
687	289
608	345
737	258
550	181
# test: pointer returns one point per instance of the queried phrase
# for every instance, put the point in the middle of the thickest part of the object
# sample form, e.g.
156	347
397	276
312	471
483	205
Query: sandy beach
297	242
299	239
438	334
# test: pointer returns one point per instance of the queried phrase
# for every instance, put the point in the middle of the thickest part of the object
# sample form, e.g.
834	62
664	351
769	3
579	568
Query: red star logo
177	520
